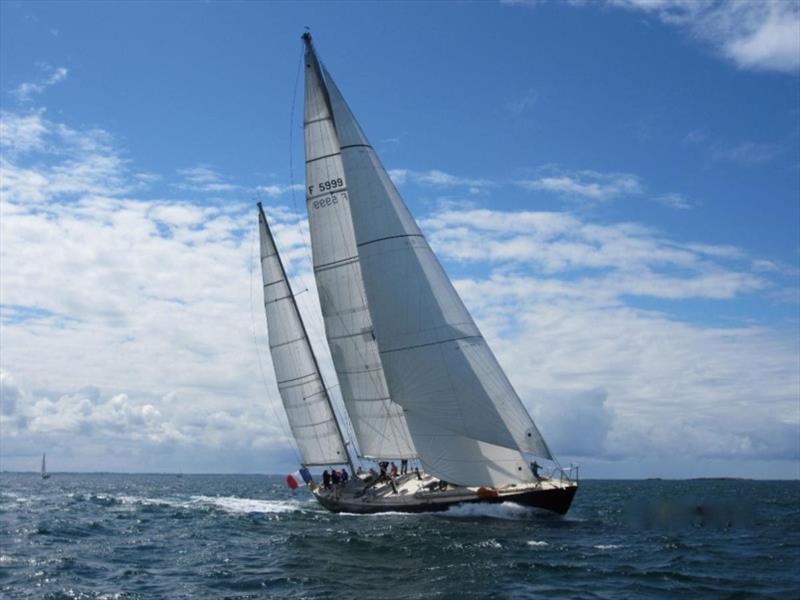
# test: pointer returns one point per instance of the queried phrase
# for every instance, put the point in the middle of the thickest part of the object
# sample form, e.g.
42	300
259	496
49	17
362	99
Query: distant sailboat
45	474
418	380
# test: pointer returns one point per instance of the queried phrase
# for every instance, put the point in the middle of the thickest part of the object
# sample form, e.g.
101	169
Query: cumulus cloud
50	76
586	184
437	178
761	35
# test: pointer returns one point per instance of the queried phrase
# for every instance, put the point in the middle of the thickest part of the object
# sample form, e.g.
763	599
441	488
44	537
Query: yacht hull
556	497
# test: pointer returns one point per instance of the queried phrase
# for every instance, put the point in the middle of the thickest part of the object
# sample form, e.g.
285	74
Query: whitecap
607	546
537	543
248	505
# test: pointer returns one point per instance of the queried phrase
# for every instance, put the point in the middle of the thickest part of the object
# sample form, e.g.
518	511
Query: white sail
300	384
437	365
378	423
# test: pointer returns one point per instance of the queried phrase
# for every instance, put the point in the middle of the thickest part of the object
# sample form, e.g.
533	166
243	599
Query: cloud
586	184
762	36
158	299
203	178
524	103
50	77
277	190
437	178
674	201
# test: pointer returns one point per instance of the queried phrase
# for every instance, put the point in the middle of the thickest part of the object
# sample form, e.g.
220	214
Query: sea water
237	536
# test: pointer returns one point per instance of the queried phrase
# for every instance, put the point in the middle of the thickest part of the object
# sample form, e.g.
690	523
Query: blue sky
614	186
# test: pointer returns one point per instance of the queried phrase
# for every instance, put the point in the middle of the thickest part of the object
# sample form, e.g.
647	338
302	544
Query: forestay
437	364
378	423
300	384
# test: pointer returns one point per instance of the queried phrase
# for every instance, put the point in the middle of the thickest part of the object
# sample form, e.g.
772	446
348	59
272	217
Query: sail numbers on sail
329	200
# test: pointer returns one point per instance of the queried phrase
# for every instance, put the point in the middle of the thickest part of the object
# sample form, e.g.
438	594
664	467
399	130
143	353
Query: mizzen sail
305	398
378	423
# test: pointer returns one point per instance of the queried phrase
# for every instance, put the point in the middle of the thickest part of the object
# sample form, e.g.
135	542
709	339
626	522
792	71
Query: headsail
437	364
300	384
378	423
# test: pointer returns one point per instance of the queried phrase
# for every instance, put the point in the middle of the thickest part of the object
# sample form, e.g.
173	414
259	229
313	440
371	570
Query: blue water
234	536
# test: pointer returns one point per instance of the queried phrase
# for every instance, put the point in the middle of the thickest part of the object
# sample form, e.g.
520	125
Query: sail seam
456	339
335	263
266	285
355	146
278	299
321	157
312	121
286	343
297	378
391	237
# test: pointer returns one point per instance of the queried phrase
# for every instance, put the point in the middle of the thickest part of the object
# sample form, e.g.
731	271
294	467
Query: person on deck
360	471
326	479
404	466
535	466
394	471
345	476
335	477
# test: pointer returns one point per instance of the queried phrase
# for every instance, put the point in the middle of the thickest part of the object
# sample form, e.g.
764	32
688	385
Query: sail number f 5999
327	186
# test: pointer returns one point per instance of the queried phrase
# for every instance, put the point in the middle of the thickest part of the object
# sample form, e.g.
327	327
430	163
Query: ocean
248	536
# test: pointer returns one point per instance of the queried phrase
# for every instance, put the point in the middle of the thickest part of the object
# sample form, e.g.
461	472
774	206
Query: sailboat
45	474
418	381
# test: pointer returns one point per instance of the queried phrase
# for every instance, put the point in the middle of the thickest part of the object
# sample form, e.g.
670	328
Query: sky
614	188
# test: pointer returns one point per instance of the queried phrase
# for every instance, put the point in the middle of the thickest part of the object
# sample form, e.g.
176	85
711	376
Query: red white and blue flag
295	479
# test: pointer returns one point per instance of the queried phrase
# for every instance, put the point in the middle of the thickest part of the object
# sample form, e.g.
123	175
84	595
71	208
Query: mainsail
305	398
378	423
467	422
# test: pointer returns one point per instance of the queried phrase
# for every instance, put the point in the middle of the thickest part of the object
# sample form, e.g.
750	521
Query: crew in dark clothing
326	479
345	476
383	466
535	466
404	466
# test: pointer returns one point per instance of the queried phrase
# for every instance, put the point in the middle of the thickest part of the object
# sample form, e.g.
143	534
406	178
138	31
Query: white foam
249	505
537	543
230	504
607	546
506	510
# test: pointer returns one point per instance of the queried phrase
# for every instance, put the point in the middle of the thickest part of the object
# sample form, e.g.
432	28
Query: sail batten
302	390
379	424
437	364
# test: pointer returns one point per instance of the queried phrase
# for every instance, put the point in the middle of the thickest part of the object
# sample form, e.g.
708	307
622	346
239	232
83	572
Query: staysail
378	423
305	398
460	407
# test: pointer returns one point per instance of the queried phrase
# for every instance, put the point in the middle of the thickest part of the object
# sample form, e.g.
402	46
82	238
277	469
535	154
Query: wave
505	510
607	546
537	543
